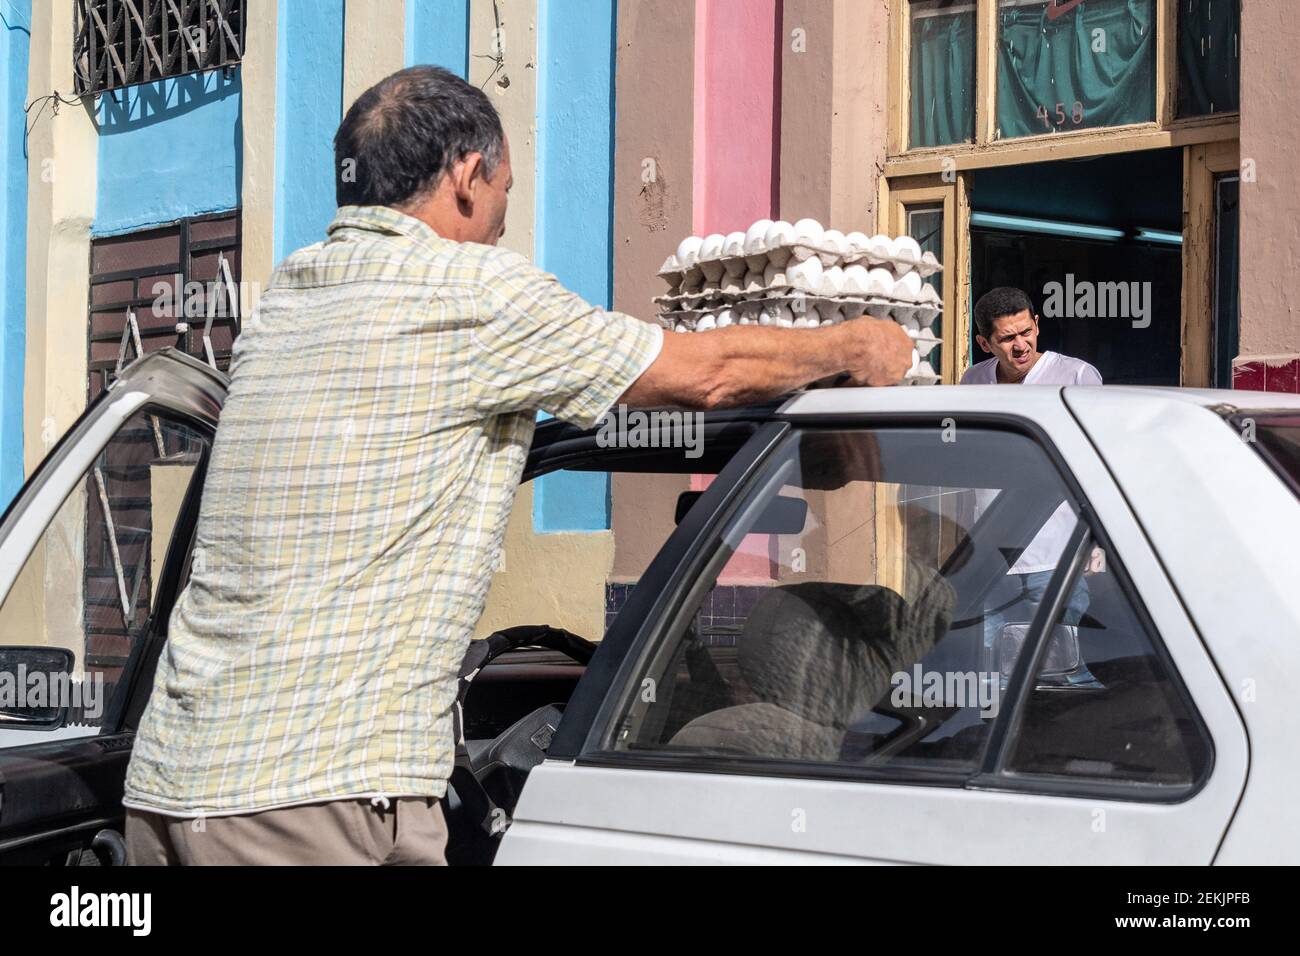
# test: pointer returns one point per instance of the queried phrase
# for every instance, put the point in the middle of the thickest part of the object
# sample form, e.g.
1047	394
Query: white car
913	625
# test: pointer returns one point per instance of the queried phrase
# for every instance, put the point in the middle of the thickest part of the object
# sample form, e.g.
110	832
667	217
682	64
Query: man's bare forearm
743	364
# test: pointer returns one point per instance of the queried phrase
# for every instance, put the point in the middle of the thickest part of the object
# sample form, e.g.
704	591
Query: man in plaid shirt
382	401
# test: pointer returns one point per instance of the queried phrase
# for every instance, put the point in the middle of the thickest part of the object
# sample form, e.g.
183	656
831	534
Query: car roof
1023	399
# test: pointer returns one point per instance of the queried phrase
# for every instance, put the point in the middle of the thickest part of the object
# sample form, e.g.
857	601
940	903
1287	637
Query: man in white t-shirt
1007	328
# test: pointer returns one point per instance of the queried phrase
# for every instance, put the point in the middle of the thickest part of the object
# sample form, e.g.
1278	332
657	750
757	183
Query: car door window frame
689	580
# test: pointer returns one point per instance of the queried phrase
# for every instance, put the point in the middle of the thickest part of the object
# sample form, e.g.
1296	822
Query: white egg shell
688	251
908	288
774	276
734	244
906	249
855	279
779	234
880	282
725	318
706	322
835	241
832	281
858	243
806	275
880	248
809	232
711	247
756	237
784	317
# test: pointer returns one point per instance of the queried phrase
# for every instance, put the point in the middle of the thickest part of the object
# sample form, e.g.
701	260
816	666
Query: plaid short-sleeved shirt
381	404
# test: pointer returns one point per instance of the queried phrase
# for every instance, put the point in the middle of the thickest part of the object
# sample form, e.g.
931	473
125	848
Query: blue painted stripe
437	32
308	107
15	45
575	201
168	149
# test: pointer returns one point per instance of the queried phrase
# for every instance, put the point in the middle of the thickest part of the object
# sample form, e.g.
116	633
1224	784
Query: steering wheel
488	782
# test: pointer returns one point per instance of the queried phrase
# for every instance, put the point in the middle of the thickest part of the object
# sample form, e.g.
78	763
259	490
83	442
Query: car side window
77	610
1107	705
845	619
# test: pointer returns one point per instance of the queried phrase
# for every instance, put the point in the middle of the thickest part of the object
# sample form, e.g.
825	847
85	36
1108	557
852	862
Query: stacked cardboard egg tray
803	276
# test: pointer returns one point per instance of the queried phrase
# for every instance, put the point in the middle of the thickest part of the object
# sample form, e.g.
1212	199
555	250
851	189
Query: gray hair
404	133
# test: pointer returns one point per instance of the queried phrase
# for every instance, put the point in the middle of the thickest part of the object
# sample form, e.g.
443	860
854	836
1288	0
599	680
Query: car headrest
827	651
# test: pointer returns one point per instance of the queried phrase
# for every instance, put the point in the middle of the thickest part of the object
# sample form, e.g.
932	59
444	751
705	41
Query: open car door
93	552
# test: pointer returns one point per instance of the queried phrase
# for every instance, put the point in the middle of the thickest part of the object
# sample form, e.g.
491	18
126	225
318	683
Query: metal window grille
119	43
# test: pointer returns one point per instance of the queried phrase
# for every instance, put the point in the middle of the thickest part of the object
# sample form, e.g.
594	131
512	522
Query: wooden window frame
986	150
943	173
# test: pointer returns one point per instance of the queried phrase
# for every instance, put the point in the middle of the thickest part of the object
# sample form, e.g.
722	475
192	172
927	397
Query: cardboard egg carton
837	306
726	260
790	313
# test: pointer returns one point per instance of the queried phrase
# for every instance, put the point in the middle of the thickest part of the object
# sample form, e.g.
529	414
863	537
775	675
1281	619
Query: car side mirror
783	514
34	704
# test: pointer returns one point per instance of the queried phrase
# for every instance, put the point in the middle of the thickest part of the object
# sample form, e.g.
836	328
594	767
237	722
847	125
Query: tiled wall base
1274	373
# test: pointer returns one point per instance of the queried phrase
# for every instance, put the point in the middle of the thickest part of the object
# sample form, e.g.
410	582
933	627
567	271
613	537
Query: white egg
784	317
706	322
879	248
774	276
809	232
806	275
688	252
857	242
880	282
756	237
780	233
725	318
835	241
855	280
766	318
734	244
908	288
711	247
753	281
832	281
906	249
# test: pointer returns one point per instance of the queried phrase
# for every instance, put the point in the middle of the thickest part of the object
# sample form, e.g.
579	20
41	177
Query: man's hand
881	351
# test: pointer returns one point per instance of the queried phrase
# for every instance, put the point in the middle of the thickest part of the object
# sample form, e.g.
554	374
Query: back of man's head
401	135
997	303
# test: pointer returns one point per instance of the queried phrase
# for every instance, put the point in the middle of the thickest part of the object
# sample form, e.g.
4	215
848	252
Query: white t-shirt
1052	368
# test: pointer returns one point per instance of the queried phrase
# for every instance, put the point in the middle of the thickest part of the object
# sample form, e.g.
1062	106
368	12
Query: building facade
1126	161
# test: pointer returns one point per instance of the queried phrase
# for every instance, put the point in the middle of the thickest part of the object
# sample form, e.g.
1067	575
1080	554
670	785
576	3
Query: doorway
1097	245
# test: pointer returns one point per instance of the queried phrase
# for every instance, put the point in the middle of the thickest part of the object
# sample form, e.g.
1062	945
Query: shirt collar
382	219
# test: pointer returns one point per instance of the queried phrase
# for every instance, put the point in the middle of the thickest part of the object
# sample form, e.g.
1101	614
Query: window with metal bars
119	43
176	285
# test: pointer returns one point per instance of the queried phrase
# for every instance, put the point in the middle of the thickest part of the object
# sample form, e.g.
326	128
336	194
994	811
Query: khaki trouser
410	832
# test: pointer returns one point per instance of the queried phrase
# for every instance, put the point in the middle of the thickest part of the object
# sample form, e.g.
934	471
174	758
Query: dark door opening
1097	245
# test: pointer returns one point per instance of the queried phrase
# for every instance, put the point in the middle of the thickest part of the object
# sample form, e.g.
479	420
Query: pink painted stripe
737	113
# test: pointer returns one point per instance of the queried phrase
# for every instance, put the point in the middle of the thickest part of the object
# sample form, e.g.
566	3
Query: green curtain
943	79
1209	64
1052	79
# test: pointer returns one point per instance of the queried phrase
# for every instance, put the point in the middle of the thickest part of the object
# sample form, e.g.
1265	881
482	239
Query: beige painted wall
554	579
1270	207
653	163
834	85
61	168
513	90
257	185
374	44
